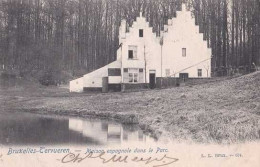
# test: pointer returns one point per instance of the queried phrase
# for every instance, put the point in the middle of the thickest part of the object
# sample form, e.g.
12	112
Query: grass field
218	112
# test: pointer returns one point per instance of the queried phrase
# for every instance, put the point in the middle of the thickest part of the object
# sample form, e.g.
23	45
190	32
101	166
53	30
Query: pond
18	128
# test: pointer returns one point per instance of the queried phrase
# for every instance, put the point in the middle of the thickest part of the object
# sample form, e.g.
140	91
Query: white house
179	52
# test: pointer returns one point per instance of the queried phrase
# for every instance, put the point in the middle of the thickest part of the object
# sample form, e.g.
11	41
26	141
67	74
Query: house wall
148	48
183	33
94	79
76	85
114	79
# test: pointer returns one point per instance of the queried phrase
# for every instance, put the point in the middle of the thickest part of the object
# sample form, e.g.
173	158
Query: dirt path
217	112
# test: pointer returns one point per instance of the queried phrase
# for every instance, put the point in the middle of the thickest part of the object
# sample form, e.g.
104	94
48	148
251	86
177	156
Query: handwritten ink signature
77	158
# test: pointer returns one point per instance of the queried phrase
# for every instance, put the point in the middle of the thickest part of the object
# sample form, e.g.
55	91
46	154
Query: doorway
184	77
152	79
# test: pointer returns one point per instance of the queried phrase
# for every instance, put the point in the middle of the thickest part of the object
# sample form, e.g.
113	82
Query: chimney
184	7
122	31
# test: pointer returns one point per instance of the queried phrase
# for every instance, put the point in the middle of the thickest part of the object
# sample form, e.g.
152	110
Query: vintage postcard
129	83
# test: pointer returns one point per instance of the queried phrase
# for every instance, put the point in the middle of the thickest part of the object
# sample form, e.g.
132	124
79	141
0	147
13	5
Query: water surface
18	128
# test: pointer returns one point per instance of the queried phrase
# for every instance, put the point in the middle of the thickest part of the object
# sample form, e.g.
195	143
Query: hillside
218	112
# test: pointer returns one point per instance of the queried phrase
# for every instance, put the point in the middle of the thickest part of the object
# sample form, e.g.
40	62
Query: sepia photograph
129	83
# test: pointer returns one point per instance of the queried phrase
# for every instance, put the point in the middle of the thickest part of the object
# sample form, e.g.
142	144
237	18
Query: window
199	72
132	52
167	72
133	75
114	72
183	52
141	33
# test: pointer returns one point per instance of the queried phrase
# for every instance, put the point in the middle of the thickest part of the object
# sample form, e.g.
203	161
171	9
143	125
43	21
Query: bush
48	78
54	77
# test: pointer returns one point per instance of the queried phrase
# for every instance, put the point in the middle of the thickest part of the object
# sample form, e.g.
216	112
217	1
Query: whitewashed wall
76	85
183	33
147	47
114	79
94	79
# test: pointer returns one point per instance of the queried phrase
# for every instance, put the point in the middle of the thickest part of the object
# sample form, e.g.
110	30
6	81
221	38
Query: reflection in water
104	132
31	129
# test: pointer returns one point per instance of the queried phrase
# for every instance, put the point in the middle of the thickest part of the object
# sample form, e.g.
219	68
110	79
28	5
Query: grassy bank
217	112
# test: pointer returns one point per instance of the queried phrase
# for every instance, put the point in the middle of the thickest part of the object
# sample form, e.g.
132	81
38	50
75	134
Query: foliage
76	35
